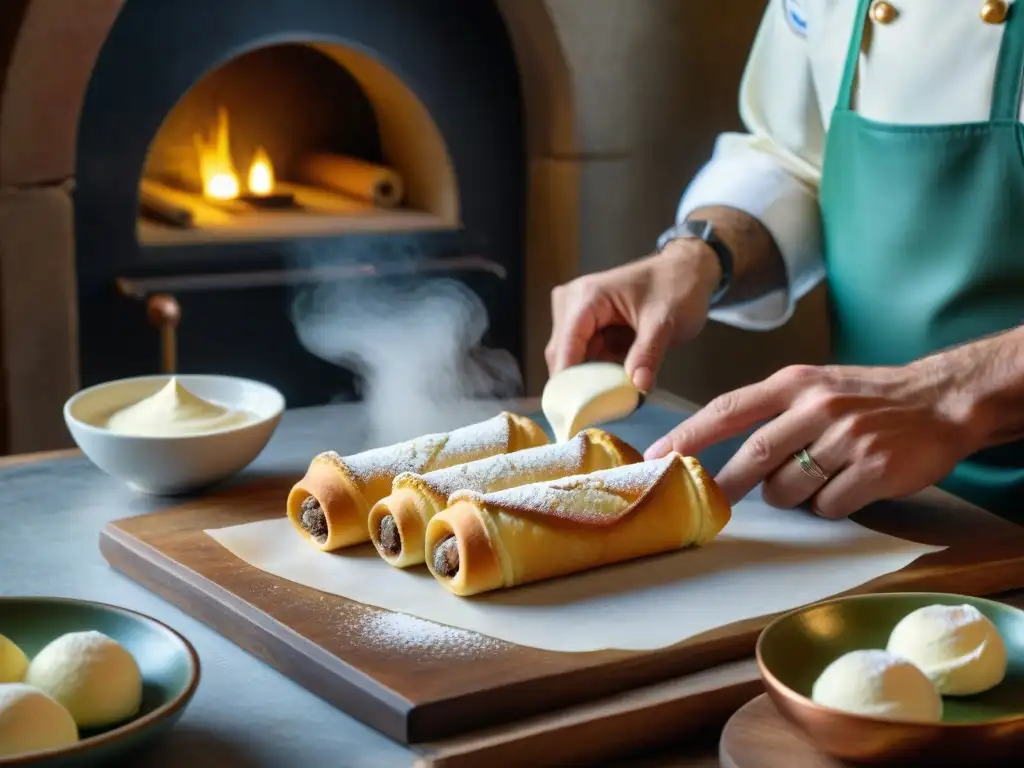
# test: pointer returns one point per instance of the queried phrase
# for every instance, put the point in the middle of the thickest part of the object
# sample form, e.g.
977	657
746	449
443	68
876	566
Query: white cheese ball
13	662
879	684
957	646
30	721
92	675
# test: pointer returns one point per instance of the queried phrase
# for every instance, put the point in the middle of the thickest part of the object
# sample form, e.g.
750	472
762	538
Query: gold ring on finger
809	466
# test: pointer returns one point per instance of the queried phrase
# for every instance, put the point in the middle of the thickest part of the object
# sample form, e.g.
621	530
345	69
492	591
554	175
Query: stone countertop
244	713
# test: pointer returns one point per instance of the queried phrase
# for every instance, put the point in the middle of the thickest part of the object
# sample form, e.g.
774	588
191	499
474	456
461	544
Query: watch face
698	227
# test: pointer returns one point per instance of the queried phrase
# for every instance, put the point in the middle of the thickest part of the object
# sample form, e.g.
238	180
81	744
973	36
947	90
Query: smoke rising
415	346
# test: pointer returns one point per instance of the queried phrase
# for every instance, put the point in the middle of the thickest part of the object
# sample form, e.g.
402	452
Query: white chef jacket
933	64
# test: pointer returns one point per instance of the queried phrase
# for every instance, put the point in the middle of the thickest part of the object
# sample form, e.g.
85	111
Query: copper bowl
795	648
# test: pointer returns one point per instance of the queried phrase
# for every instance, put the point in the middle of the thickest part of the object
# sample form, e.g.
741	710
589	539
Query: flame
216	168
261	174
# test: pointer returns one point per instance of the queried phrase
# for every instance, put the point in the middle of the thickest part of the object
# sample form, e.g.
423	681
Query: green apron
923	231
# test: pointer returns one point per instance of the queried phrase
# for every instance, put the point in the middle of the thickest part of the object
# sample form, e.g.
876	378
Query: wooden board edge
649	718
566	689
985	579
275	644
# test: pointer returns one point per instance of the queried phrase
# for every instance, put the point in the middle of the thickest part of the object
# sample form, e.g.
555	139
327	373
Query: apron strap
1010	70
845	100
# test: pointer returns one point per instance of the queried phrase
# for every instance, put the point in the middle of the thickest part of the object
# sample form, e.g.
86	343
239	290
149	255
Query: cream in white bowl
169	437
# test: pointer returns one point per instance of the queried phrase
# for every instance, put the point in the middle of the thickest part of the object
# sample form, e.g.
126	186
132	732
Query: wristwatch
702	230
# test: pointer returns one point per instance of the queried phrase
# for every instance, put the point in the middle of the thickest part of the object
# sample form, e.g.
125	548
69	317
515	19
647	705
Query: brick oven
172	172
388	145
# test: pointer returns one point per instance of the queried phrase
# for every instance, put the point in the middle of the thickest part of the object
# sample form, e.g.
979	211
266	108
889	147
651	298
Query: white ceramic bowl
173	465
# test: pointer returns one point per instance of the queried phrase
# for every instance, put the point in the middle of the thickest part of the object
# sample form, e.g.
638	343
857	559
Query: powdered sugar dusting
596	497
434	451
477	440
946	619
393	459
496	473
399	631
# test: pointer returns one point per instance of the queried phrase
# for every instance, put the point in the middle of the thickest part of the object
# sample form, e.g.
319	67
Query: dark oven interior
235	156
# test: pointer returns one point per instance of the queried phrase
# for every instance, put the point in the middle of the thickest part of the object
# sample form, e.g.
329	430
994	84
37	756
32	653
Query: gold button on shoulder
994	11
883	12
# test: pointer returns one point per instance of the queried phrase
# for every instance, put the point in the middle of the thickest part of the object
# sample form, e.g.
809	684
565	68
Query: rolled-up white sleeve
772	172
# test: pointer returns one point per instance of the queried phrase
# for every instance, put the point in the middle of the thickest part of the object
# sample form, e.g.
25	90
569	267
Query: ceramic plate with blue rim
168	662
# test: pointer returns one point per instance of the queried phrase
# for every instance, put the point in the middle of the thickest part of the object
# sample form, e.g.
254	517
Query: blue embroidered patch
795	16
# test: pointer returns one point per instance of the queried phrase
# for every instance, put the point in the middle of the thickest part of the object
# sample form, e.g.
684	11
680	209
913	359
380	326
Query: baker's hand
632	313
874	433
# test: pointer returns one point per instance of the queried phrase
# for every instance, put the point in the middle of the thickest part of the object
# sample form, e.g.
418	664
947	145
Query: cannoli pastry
398	521
330	504
483	542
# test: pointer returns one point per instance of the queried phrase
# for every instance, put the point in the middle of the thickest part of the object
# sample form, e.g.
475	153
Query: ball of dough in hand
92	675
30	721
13	662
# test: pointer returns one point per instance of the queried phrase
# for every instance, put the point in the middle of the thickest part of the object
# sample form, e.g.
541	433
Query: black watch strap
703	230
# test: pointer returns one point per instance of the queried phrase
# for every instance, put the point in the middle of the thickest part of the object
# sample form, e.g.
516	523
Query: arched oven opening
291	140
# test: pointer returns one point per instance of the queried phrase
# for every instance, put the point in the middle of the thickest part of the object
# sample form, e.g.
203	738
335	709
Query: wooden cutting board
417	691
757	736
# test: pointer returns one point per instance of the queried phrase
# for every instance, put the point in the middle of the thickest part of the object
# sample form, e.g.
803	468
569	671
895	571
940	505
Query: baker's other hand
633	313
869	433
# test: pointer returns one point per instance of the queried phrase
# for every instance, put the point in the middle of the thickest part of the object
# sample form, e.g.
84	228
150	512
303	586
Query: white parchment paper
765	561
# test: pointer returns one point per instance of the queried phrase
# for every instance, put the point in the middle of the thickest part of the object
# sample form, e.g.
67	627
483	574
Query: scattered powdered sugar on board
401	632
594	497
423	454
506	470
